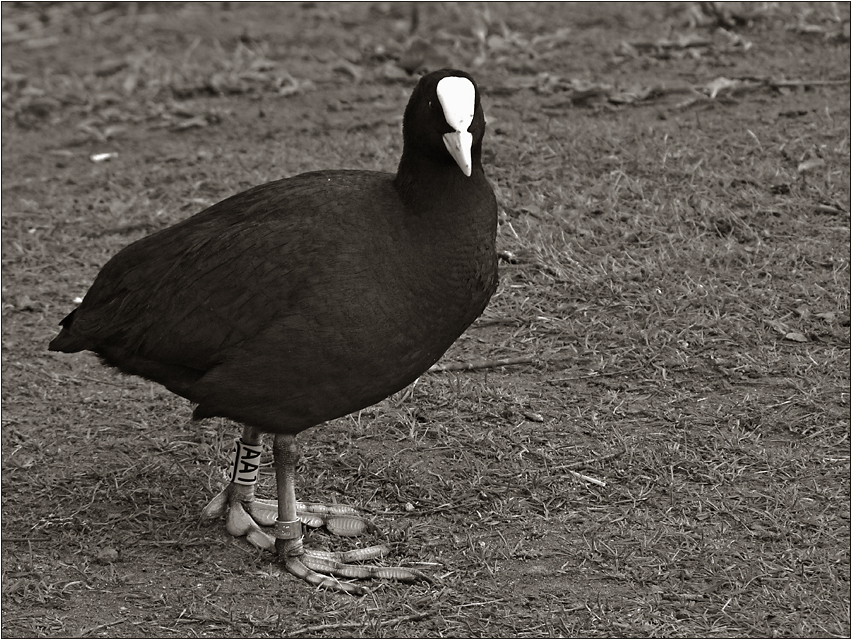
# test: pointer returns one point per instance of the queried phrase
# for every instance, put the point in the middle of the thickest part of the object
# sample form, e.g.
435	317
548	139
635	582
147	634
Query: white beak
459	143
457	96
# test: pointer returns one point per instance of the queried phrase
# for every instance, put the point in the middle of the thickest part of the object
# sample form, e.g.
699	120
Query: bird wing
186	293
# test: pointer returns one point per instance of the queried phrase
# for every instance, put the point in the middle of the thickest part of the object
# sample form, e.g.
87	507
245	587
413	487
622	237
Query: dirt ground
647	434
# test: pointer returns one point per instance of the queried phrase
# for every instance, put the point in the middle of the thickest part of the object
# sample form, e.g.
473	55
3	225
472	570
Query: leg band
244	463
288	529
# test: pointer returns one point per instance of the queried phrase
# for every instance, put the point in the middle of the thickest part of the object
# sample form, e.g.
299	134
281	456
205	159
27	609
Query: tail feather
66	341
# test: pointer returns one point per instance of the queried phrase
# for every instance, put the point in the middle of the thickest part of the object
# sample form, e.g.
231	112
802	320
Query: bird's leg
246	513
313	565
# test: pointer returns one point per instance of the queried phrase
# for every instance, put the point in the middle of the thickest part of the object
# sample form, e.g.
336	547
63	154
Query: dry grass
668	456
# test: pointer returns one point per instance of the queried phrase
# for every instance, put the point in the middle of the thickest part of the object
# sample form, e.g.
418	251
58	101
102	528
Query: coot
305	299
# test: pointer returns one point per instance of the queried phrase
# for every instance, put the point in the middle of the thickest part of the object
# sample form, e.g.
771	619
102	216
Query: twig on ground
501	362
588	479
599	374
829	209
417	616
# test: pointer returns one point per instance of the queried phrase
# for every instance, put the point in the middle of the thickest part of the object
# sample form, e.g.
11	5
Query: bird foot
245	515
320	568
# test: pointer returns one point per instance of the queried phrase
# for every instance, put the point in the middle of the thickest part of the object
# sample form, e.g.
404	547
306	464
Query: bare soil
647	434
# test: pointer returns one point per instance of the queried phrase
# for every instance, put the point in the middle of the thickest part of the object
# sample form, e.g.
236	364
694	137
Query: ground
646	434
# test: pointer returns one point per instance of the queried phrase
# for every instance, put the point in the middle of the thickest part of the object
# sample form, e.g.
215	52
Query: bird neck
429	185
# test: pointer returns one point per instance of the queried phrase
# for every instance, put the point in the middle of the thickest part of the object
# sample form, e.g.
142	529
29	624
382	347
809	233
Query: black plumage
305	299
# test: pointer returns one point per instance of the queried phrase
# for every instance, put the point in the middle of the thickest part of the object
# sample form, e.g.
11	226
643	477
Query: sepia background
647	434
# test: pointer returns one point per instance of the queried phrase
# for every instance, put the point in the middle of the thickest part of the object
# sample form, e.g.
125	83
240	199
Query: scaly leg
246	513
311	565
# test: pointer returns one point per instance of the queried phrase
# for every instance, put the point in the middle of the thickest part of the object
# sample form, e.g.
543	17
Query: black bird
305	299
